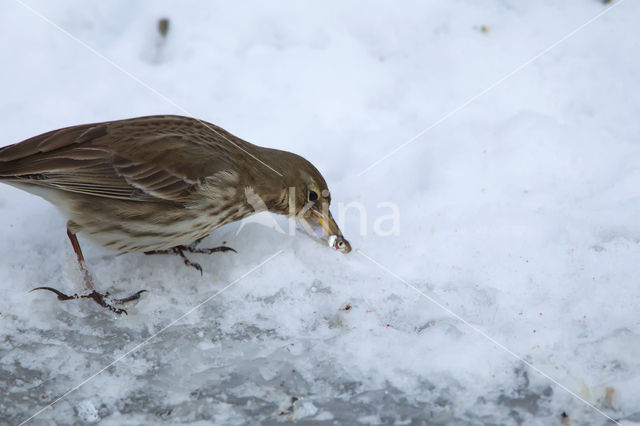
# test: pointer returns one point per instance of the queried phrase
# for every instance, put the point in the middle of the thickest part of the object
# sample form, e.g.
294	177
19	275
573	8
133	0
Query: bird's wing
158	157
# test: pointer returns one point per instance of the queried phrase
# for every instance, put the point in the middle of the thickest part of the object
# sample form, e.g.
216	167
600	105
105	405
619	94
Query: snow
518	214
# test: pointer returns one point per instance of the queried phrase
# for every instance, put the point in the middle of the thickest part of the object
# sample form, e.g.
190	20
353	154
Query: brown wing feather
50	141
163	157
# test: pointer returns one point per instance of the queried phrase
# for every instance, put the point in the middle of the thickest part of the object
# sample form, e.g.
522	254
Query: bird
160	184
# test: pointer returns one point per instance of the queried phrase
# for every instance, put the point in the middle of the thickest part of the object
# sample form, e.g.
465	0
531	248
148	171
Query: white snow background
520	213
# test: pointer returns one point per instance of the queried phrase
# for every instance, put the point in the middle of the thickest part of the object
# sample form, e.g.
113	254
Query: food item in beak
339	243
323	228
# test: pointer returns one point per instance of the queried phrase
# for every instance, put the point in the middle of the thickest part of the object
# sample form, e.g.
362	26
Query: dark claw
198	267
61	295
131	298
213	250
193	264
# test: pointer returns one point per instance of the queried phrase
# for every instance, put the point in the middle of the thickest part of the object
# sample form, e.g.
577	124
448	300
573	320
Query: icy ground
520	213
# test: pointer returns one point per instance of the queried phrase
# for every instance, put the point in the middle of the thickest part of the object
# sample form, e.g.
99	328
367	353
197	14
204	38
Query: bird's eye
313	195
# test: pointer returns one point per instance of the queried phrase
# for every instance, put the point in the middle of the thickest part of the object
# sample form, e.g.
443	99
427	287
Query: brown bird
160	184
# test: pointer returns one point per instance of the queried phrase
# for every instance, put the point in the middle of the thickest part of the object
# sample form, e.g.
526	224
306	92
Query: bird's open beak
321	226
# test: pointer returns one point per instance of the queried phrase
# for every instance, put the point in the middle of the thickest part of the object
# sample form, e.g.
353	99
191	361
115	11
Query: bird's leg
191	248
99	298
196	242
88	281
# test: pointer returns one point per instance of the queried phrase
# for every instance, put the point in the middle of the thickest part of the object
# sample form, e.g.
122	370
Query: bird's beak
321	226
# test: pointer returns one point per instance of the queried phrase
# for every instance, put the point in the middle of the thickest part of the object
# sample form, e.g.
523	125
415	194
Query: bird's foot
191	248
103	300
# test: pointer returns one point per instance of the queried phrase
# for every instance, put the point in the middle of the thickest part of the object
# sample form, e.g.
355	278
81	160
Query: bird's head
308	200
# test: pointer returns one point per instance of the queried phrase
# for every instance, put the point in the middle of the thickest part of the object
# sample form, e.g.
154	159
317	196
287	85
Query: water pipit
160	184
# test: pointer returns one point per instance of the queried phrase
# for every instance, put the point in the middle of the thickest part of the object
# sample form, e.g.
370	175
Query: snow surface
519	213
